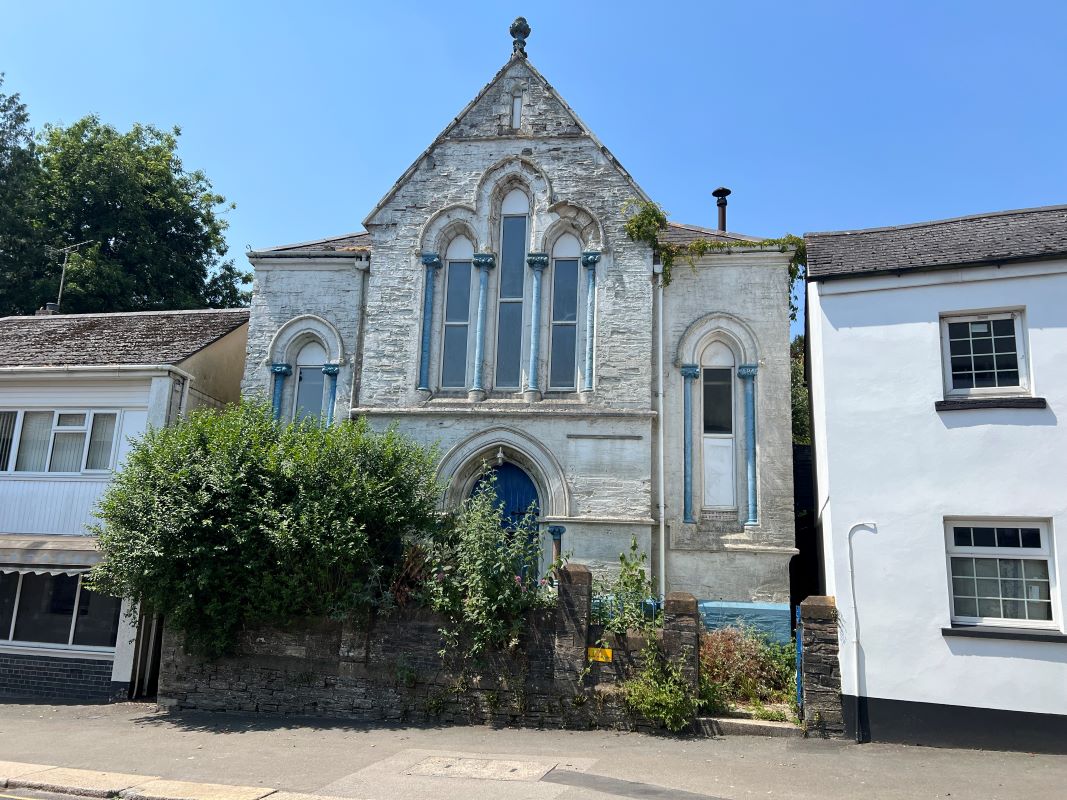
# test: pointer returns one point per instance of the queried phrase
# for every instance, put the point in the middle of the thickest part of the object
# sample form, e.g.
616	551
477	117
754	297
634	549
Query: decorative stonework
520	30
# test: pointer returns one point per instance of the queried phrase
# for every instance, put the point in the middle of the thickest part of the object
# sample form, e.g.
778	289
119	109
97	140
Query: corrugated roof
1021	235
142	337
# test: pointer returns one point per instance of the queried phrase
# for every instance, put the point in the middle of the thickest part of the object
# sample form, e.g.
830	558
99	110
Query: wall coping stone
818	607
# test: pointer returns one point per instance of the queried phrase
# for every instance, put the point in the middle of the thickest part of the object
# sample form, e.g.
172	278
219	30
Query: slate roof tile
145	337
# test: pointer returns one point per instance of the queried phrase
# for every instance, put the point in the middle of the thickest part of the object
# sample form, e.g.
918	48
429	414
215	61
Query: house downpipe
657	270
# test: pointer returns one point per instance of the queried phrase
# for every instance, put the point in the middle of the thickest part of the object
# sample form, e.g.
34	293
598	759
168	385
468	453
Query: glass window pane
986	567
1034	568
509	345
458	292
1004	327
1039	611
1014	609
960	347
984	537
988	587
46	608
980	329
718	401
979	346
961	537
310	383
565	291
1011	568
454	359
562	360
965	607
989	608
1036	590
963	566
985	379
1007	362
67	449
963	381
98	619
1008	378
33	444
958	330
963	587
1007	537
1031	537
513	257
9	584
1013	589
7	436
101	440
70	420
984	363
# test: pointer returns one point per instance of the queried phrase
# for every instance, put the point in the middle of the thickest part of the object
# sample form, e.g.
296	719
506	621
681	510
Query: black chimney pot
721	194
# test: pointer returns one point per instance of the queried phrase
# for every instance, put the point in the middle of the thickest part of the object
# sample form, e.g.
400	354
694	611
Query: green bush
623	603
659	692
740	664
483	578
228	519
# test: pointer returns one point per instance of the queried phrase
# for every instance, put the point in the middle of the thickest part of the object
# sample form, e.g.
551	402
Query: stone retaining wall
821	668
391	669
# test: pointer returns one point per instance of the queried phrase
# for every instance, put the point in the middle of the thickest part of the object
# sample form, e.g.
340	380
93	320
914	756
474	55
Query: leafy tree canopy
154	229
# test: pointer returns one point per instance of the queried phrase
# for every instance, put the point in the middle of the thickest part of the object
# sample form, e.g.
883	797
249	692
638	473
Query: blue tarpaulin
771	618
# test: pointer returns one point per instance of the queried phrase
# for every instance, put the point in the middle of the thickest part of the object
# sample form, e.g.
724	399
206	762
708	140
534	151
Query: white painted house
938	366
495	307
73	390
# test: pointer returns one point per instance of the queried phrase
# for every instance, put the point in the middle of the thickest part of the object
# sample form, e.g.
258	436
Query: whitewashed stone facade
376	301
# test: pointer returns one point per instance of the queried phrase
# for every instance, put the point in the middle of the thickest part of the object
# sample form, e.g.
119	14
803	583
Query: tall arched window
311	382
459	299
563	346
718	368
514	213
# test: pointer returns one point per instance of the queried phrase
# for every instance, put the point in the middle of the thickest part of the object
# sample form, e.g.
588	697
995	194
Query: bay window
62	441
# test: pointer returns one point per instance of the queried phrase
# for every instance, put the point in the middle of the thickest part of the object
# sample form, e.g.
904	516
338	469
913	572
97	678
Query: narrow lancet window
563	351
454	359
516	111
311	383
512	276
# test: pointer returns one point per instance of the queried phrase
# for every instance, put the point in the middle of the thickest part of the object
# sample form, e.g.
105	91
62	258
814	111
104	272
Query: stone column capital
690	371
331	369
484	260
431	260
285	370
537	261
590	258
747	371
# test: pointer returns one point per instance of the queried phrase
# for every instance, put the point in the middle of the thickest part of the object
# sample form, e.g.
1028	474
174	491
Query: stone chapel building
495	306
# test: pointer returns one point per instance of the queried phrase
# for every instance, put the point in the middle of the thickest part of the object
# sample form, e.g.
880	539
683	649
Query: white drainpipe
657	269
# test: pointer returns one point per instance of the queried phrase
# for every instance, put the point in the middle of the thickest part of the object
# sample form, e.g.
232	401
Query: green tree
155	229
801	401
23	260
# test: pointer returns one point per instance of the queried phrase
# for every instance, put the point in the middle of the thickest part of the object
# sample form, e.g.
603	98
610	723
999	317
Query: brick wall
58	678
820	667
391	669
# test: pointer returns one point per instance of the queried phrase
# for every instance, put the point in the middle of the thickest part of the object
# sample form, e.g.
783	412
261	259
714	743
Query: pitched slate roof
1023	235
142	337
360	242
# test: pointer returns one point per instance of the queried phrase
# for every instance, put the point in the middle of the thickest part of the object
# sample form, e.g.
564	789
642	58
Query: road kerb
83	782
14	769
161	789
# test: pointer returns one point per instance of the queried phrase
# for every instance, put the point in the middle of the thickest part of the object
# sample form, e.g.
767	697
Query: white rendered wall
885	456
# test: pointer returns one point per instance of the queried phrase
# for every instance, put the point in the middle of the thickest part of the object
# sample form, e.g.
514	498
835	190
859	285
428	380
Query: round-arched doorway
515	491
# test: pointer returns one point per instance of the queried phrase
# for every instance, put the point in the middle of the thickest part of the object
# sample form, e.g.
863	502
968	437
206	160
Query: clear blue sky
818	115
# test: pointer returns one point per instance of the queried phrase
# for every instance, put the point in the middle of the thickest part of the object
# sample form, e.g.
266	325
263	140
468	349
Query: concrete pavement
334	760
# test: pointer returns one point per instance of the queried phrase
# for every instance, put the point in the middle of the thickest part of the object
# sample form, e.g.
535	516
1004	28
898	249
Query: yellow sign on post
599	654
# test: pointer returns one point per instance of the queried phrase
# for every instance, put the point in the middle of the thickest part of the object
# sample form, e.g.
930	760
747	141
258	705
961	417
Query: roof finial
520	29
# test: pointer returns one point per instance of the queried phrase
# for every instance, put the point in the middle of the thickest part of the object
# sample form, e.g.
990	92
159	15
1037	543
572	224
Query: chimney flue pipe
721	194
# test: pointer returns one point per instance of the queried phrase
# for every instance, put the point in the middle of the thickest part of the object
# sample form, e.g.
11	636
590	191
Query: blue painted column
330	371
747	373
432	262
690	372
483	262
589	260
280	373
537	263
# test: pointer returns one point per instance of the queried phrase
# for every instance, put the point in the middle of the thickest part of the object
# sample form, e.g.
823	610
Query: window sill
996	632
971	403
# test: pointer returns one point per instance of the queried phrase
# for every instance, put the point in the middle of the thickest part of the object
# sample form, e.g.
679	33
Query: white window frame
86	428
1021	349
7	638
1042	553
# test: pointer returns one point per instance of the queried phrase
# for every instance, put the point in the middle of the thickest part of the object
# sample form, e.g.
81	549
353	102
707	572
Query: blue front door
515	491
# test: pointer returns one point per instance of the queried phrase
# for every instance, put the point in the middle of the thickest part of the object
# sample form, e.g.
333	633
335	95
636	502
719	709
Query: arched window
718	367
459	299
563	334
310	381
514	226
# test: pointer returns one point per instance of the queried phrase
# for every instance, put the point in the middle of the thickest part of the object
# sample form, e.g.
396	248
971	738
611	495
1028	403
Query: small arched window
718	367
514	227
310	381
563	346
456	340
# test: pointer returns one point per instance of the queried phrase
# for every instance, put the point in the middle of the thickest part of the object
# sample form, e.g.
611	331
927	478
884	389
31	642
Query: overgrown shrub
484	578
227	519
659	693
625	602
740	664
